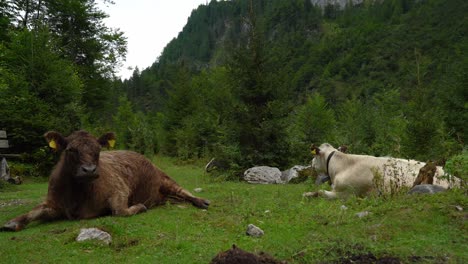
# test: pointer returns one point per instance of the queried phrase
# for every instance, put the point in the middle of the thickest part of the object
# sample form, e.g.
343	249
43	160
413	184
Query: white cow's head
319	163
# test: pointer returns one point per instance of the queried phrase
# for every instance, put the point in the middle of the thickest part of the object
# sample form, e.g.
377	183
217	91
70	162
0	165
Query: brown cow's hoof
310	194
11	226
201	203
140	208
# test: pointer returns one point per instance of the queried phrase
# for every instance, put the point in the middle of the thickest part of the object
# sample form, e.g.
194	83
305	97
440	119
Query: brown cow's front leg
119	206
40	212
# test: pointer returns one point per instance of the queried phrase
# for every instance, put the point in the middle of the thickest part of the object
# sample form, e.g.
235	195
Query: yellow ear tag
52	144
313	152
111	142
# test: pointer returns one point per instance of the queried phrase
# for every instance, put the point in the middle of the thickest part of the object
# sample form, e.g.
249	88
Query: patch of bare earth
236	255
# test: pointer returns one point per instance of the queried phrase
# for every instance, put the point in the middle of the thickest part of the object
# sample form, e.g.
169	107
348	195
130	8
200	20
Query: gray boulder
427	188
292	173
263	175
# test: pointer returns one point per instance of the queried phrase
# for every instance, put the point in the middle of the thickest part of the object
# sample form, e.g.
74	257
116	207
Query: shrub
458	165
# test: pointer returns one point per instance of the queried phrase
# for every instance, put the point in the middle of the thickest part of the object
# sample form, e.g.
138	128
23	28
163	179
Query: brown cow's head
80	152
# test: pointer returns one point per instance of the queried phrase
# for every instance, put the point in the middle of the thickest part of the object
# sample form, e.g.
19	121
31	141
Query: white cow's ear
343	148
314	150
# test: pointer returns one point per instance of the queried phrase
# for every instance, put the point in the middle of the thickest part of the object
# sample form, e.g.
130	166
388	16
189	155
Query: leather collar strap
329	158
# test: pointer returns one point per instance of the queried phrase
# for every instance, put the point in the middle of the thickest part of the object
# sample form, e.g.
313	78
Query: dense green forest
247	82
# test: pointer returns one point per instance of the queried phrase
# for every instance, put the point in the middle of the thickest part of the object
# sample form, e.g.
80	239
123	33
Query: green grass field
420	228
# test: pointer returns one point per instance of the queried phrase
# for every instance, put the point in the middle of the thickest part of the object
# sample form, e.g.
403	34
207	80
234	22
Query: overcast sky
149	25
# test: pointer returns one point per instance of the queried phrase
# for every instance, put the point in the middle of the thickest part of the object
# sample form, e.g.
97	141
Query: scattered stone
459	208
363	214
254	231
263	175
94	233
427	188
344	208
198	190
267	211
236	255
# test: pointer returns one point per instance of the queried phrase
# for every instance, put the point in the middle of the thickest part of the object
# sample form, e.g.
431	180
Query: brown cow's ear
56	141
314	150
107	140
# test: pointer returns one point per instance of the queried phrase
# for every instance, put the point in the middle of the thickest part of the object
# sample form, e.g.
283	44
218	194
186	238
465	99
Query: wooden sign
4	143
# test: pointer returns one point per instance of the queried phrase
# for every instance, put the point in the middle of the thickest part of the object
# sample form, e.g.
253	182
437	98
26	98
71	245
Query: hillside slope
403	58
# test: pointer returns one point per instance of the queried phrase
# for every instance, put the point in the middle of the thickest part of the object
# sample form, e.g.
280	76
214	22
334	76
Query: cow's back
128	171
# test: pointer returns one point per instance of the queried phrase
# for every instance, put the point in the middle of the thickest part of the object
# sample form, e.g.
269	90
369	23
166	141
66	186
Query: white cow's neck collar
328	160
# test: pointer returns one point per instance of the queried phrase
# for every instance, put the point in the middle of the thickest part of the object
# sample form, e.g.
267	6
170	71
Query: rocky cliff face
341	3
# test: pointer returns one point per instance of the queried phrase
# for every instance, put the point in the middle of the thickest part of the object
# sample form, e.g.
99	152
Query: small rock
198	190
363	214
459	208
343	207
267	211
254	231
94	233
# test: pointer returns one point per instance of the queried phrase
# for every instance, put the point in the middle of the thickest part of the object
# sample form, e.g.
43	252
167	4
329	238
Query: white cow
361	174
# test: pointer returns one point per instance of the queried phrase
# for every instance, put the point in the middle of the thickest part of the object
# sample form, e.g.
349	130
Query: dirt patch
57	231
369	258
130	243
236	255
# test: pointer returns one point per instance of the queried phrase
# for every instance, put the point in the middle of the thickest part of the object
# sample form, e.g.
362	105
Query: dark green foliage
57	59
134	130
247	82
458	165
312	122
41	91
384	77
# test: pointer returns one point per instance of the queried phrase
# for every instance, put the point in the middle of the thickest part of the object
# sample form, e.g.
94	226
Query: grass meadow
412	229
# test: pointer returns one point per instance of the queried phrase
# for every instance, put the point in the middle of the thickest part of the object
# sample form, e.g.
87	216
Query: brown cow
87	183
